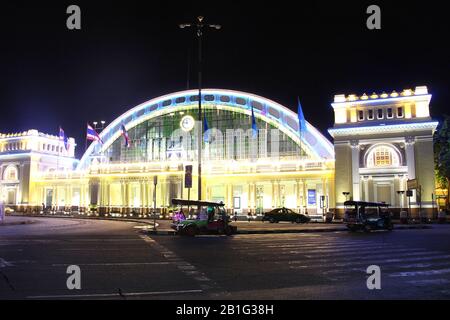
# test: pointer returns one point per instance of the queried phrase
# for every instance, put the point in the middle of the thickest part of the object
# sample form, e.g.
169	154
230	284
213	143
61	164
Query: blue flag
63	137
254	127
301	119
205	129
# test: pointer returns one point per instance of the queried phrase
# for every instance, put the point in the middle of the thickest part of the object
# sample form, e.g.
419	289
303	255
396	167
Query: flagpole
57	158
86	140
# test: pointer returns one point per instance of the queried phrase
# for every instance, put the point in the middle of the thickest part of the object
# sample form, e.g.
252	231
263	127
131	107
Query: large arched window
383	156
11	174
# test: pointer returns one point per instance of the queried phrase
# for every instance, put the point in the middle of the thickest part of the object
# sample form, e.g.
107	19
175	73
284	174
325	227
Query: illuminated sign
311	197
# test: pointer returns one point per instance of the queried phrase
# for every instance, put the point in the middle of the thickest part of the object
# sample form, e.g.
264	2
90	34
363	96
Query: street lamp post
199	24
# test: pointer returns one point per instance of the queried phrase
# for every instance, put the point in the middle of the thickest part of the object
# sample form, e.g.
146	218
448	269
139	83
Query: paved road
117	262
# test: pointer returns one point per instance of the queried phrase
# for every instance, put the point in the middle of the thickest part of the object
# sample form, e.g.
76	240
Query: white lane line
382	259
4	263
334	253
385	253
423	265
427	282
358	250
434	257
320	249
98	249
309	247
105	295
334	244
306	246
420	273
301	264
112	264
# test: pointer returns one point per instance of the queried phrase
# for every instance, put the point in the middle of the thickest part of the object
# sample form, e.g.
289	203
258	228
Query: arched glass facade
228	137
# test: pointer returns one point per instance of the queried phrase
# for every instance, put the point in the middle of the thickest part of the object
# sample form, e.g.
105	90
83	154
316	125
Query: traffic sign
412	184
188	176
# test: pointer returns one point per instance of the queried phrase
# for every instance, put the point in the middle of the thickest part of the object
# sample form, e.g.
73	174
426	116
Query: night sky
131	51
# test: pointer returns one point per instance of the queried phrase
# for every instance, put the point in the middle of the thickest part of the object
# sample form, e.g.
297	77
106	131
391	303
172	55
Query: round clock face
187	123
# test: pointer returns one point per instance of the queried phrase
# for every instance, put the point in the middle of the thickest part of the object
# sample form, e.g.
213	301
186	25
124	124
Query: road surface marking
4	263
420	273
185	267
428	282
105	295
112	264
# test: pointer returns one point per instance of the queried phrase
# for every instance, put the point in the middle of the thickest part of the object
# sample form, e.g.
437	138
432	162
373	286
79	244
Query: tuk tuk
367	216
211	219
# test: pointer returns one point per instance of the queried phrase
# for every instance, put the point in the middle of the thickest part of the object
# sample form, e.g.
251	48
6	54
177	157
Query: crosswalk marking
338	259
420	273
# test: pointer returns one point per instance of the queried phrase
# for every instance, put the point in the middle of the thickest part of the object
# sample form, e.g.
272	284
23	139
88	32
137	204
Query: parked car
285	214
367	216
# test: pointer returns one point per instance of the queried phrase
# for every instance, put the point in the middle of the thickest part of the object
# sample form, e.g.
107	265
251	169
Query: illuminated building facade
25	156
381	141
377	140
251	173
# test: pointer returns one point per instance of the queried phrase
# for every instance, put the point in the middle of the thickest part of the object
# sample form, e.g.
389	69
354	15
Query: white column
355	169
366	189
410	161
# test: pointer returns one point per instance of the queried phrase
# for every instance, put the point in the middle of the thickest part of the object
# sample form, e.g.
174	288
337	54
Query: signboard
412	184
188	176
312	197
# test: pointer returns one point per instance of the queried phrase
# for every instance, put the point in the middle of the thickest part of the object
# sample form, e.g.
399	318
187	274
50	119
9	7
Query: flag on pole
62	137
91	134
125	135
301	120
205	129
254	127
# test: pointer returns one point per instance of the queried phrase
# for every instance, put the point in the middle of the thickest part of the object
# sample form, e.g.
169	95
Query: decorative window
389	113
379	113
11	174
360	115
180	100
383	156
225	98
241	101
400	112
370	114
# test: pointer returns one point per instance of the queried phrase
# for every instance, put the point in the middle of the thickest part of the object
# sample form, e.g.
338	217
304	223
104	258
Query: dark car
284	214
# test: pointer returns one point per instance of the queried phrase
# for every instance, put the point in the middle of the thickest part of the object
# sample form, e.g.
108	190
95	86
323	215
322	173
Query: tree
442	156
